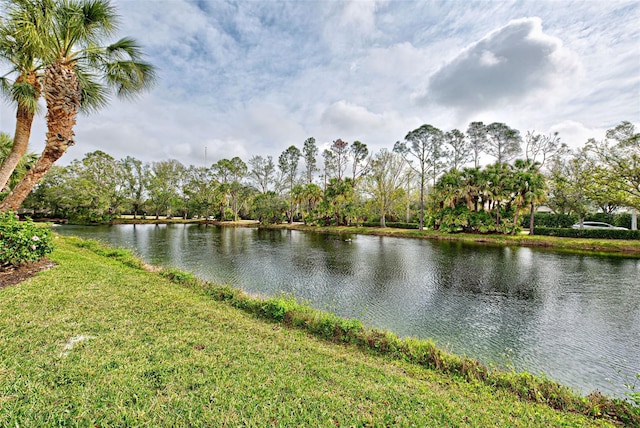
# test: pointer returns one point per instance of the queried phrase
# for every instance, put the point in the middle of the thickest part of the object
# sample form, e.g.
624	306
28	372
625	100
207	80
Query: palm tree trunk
531	218
14	199
62	94
24	120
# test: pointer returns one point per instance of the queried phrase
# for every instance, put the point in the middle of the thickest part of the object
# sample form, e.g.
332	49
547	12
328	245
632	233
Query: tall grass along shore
103	340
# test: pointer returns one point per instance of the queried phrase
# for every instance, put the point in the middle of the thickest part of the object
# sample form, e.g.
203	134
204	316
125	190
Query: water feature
575	318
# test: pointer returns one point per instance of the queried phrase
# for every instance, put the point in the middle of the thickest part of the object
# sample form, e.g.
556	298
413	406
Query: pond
575	318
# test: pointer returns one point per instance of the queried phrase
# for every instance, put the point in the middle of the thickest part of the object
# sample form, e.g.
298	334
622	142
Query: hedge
587	233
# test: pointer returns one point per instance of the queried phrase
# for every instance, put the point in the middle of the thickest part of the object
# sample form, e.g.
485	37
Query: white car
596	225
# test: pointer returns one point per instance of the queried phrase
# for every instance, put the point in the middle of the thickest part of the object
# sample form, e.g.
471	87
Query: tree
339	204
359	153
262	172
53	194
620	153
269	208
498	187
230	173
78	73
288	164
340	151
20	53
529	188
540	148
477	135
569	177
162	185
309	152
384	182
503	142
461	151
329	167
200	189
420	144
97	187
134	174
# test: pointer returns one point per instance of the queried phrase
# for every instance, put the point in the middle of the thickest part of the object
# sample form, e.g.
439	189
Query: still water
575	318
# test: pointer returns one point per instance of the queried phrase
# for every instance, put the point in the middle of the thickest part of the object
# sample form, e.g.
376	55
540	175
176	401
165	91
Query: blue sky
251	78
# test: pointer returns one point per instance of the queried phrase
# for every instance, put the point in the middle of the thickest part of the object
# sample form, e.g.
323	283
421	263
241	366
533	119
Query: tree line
433	178
57	50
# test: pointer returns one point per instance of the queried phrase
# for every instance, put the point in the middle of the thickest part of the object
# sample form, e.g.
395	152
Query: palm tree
22	82
529	187
498	186
79	74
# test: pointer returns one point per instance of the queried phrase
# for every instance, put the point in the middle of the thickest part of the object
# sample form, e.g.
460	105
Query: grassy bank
98	341
605	246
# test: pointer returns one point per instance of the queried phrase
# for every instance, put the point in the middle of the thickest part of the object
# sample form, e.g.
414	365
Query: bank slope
93	342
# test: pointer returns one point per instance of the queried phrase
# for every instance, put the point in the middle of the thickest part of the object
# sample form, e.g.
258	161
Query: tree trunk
383	222
62	94
24	119
531	218
421	227
19	193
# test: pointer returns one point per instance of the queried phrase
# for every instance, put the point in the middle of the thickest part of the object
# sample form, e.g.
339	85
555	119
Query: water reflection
574	317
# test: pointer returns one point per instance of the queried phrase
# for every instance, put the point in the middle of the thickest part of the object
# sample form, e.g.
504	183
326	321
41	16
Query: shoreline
608	247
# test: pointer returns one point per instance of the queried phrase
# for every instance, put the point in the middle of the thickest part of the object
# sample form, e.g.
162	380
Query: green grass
99	342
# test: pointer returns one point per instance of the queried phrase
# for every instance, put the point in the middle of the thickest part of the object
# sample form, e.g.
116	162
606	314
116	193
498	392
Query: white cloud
507	66
244	78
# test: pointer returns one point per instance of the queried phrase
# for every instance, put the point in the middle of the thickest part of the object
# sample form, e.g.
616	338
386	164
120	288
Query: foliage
384	183
339	205
288	164
503	142
588	233
309	152
553	220
424	145
22	241
63	38
568	220
269	208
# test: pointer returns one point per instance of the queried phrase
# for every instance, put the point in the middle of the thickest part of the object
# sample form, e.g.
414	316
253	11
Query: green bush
22	241
568	220
550	220
588	233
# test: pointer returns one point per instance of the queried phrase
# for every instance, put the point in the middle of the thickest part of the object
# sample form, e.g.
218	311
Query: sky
245	78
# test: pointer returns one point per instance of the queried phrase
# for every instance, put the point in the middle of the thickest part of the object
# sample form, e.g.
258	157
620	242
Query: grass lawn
93	342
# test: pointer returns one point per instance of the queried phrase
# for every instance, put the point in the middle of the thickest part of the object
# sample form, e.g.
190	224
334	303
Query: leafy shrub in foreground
22	241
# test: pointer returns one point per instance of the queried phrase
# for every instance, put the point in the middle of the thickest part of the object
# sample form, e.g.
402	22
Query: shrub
588	233
22	241
567	220
550	220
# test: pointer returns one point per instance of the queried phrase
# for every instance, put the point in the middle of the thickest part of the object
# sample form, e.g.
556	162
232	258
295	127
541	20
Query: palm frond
94	94
129	78
83	22
124	48
5	87
26	95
